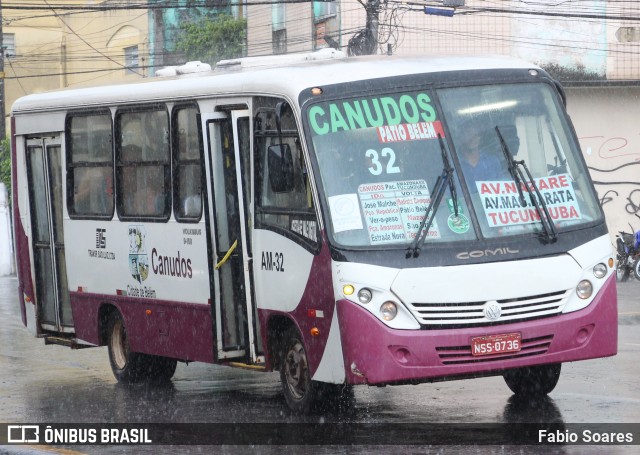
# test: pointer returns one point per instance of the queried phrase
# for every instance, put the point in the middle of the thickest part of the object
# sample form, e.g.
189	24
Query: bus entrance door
228	137
44	174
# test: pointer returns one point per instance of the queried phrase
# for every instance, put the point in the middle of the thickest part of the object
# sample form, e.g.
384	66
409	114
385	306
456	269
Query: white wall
606	121
6	244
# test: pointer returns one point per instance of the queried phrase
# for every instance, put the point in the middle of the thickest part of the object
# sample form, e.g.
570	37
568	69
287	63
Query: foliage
213	38
5	164
577	73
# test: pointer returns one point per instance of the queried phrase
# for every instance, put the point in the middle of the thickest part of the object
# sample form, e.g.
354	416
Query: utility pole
3	131
373	10
365	41
157	57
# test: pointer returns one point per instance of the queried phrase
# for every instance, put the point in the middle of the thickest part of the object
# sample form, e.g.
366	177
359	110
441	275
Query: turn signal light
347	289
314	332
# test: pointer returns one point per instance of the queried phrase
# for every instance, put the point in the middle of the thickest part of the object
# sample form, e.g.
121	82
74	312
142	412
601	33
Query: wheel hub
296	370
119	345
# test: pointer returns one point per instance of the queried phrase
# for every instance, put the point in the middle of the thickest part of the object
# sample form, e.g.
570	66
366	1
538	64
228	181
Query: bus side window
297	197
89	166
293	210
144	166
187	165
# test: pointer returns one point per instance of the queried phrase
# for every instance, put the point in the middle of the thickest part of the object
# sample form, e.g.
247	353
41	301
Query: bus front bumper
376	354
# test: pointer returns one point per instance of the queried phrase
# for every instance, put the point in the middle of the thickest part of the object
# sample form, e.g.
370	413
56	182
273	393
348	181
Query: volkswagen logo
492	310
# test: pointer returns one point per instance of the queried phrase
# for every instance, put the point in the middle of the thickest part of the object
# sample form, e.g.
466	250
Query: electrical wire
391	28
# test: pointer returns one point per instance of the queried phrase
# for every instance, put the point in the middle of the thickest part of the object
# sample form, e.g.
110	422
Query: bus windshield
380	158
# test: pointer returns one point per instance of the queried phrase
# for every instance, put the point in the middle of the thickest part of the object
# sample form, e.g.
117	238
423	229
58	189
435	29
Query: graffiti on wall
617	184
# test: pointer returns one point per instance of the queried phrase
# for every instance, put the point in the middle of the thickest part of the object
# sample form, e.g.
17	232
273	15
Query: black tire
295	377
337	398
159	369
535	381
636	269
131	367
622	273
303	395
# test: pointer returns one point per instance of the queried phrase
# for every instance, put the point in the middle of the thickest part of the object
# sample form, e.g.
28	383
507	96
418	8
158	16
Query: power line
67	73
544	13
563	15
391	26
150	6
83	40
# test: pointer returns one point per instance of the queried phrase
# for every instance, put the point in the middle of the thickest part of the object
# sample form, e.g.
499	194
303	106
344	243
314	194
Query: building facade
597	41
597	38
55	47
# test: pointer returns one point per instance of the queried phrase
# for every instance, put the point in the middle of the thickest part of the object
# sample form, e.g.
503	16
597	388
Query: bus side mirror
280	162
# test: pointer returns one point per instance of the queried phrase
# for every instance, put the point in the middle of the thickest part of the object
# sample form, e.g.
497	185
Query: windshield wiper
514	170
560	166
537	200
444	179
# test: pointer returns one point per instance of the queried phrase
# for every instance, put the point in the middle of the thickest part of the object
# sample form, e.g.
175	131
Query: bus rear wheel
535	381
131	367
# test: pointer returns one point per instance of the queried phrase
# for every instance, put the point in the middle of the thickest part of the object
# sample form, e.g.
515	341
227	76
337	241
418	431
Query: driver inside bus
478	164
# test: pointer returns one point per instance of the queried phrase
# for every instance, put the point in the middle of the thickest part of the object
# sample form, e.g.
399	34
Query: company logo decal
138	259
101	245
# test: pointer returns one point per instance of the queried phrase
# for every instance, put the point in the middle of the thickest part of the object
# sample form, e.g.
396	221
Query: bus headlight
388	310
600	270
584	289
365	295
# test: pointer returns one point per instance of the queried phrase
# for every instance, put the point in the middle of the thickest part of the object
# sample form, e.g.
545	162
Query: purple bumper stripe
376	354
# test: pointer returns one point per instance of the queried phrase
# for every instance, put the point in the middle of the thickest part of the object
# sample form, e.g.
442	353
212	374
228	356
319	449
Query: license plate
496	344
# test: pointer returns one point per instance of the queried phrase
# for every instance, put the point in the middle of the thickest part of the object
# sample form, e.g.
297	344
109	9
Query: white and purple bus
377	220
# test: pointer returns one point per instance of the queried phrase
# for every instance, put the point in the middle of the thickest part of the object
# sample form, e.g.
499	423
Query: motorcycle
627	255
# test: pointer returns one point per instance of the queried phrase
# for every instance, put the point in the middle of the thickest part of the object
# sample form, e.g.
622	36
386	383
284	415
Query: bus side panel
316	308
166	328
155	274
23	262
310	287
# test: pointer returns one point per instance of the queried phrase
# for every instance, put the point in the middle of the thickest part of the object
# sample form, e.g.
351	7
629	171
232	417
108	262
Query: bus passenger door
44	174
228	137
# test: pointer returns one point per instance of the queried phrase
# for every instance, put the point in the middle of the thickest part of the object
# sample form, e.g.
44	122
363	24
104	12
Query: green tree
211	39
5	165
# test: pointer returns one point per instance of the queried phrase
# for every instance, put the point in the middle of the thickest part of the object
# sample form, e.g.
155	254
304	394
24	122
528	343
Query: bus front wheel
533	381
295	376
131	367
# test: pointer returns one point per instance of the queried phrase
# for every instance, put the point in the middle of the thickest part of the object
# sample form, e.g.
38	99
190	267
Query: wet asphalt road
53	384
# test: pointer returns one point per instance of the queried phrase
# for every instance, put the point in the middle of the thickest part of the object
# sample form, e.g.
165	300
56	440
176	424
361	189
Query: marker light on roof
315	91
